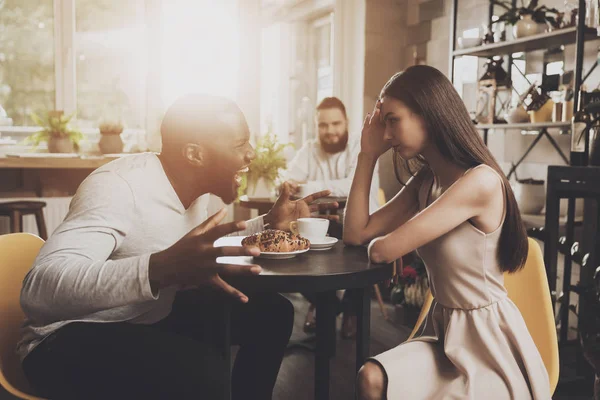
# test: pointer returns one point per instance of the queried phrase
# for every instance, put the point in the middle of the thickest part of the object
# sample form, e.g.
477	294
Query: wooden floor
296	377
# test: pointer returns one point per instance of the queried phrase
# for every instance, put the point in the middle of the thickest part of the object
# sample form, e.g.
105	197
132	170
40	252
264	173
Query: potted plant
265	170
528	19
408	295
110	137
61	138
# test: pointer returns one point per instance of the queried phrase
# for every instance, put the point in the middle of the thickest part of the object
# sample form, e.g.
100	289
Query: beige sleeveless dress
474	343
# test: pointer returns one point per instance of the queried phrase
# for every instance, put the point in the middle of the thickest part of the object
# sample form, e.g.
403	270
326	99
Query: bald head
199	118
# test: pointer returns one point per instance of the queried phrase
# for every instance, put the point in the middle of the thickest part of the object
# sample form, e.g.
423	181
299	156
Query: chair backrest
17	253
381	197
528	289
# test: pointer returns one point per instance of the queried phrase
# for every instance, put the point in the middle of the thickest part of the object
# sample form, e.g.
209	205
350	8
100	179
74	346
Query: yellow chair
17	253
528	289
381	197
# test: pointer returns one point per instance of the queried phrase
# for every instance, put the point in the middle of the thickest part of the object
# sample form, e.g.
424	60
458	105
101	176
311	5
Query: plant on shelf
408	295
264	172
56	131
110	140
528	19
110	128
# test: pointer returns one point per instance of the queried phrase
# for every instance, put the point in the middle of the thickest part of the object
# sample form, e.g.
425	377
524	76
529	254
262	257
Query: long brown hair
428	93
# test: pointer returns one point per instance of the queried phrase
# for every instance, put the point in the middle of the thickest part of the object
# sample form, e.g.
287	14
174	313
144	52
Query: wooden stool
15	211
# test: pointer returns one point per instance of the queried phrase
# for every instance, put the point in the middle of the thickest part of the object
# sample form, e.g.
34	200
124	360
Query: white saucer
327	244
280	256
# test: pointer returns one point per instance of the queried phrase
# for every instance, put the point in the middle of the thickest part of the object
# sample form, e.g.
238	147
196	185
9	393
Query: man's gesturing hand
192	261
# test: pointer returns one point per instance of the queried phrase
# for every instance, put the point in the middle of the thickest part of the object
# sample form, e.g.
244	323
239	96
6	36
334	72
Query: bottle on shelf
579	128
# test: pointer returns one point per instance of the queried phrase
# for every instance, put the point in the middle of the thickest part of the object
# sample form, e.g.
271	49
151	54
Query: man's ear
194	154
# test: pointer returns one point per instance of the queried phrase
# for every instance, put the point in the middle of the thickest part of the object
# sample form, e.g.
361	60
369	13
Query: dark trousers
179	357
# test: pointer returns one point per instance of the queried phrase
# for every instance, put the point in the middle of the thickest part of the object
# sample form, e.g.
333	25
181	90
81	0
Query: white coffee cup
313	229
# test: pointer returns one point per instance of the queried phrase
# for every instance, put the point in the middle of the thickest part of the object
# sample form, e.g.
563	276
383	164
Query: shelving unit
577	35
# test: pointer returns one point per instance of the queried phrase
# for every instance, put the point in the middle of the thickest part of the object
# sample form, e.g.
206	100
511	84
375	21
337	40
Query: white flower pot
526	26
261	189
60	145
110	144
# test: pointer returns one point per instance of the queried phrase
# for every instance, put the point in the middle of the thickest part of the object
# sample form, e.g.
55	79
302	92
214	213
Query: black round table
324	272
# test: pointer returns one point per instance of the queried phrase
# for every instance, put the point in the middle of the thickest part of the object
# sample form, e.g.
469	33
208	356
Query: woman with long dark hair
459	212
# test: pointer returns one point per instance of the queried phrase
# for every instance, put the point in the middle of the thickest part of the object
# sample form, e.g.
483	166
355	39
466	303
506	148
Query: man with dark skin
107	315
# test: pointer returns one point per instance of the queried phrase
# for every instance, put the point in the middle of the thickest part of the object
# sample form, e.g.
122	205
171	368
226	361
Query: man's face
230	155
333	129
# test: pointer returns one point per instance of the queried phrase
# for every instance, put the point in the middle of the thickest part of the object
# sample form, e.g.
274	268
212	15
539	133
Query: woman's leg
310	321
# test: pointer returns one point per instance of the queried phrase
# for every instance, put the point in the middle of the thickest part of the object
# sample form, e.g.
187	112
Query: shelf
540	41
527	126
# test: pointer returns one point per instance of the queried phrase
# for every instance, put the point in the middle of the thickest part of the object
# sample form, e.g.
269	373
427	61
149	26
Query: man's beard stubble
333	148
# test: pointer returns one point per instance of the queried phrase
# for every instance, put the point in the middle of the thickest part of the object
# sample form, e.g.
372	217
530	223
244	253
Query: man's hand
294	186
286	210
192	261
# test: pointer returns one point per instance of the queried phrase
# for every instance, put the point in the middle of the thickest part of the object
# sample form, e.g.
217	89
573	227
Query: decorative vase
260	189
526	26
60	145
110	144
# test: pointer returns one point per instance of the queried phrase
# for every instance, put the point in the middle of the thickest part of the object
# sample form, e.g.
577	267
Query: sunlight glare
200	48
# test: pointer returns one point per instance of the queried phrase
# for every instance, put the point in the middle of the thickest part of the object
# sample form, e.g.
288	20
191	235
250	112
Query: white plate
325	245
281	256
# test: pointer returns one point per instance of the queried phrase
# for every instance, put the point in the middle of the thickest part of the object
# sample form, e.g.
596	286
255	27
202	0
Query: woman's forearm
356	215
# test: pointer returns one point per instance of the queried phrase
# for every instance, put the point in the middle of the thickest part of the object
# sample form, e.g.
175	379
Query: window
322	46
296	73
27	79
274	80
199	48
111	58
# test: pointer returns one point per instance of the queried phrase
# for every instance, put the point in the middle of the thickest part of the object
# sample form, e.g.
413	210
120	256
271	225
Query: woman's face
404	129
